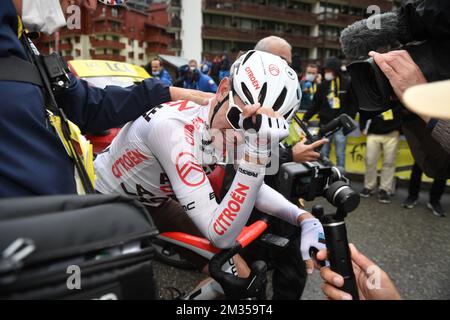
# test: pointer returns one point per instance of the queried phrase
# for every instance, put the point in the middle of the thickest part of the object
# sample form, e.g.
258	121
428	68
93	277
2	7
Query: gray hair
264	44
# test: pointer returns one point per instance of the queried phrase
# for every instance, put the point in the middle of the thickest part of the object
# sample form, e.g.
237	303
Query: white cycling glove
261	136
312	236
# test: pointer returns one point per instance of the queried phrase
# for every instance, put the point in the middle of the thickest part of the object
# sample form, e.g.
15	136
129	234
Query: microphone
377	31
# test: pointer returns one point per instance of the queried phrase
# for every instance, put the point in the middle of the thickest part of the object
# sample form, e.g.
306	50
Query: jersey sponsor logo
274	70
248	173
148	116
146	197
189	206
252	78
188	169
212	196
182	105
165	185
189	134
127	161
228	215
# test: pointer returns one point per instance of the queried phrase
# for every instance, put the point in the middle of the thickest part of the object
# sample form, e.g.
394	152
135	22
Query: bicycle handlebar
233	286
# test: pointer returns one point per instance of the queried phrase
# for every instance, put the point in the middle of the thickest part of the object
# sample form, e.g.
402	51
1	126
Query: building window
141	56
77	39
77	52
114	12
131	54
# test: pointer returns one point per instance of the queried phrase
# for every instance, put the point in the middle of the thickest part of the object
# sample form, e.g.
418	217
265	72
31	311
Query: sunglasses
233	113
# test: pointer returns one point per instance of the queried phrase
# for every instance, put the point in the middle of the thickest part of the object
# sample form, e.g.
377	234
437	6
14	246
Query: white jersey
160	155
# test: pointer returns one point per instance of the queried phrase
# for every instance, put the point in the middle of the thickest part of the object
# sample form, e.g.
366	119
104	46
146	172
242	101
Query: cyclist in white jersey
157	156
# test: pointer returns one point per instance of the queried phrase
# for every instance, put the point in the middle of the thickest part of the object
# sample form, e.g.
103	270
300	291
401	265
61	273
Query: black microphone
370	34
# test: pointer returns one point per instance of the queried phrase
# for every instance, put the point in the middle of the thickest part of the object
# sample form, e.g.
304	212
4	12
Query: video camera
314	179
420	29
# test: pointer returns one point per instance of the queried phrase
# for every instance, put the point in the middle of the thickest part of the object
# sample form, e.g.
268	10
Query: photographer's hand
373	283
400	69
302	152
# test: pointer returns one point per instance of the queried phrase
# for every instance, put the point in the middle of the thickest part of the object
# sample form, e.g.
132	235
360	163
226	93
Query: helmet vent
280	100
262	94
247	93
249	54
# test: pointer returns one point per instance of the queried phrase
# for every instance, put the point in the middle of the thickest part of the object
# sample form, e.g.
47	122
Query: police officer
33	159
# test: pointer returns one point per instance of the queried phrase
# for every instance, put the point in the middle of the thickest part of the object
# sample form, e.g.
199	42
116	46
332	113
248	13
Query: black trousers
437	188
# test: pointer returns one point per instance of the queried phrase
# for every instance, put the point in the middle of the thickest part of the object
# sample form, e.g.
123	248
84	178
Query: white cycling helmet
262	77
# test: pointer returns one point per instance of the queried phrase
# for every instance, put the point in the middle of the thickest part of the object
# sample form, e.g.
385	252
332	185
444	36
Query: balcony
107	44
249	35
175	45
258	11
108	28
338	20
155	48
158	38
175	5
330	42
174	25
112	57
384	5
65	47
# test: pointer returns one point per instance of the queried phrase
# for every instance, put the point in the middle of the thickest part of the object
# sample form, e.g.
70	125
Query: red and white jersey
161	155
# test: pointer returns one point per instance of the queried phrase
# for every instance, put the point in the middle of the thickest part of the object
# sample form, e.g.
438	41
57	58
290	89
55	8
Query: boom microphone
370	34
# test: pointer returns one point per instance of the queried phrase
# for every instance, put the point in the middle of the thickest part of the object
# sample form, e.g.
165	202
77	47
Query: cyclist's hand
196	96
312	236
302	152
373	283
263	129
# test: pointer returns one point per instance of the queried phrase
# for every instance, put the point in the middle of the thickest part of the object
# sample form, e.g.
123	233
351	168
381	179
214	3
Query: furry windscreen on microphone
363	36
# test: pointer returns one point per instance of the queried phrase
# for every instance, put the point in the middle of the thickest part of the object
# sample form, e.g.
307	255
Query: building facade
111	33
211	27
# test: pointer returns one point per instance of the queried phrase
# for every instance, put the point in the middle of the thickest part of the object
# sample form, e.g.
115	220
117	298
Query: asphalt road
412	246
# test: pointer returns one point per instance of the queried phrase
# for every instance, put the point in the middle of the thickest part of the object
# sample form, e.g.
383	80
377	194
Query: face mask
329	76
156	73
310	77
192	69
42	15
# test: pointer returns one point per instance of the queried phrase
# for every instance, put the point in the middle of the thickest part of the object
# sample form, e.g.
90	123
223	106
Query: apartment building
112	33
211	27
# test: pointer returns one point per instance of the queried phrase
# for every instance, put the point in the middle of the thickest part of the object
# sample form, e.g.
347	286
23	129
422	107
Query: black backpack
76	247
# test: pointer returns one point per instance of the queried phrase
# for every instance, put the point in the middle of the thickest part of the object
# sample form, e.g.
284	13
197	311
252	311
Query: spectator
156	69
331	100
277	46
224	69
436	192
309	85
194	79
193	64
33	159
383	136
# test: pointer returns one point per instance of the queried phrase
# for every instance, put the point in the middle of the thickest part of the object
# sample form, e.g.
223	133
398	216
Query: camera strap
68	132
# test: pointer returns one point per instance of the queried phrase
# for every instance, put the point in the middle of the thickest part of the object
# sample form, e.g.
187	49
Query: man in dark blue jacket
33	160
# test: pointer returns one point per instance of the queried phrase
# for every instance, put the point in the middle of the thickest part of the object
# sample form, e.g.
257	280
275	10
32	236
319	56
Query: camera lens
341	195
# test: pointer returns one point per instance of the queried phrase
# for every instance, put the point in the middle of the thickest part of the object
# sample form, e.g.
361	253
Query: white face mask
310	77
329	76
42	15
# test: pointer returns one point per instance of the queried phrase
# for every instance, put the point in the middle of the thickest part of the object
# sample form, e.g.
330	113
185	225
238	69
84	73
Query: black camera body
320	178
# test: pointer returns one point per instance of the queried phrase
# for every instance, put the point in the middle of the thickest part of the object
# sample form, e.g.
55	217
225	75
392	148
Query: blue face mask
156	73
